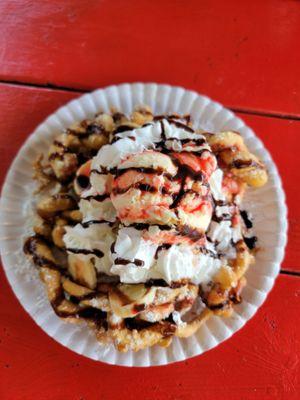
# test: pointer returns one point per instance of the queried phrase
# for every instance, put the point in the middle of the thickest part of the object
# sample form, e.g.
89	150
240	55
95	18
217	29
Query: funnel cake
141	231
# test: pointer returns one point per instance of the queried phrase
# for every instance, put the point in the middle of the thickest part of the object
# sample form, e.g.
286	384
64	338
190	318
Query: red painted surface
242	53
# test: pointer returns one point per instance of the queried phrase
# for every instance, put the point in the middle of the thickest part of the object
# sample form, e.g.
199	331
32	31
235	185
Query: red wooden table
245	54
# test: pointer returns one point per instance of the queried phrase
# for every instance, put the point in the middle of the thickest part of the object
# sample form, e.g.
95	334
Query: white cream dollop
177	319
96	236
172	265
131	246
139	139
99	183
94	210
173	131
130	142
180	262
215	182
223	211
222	233
89	238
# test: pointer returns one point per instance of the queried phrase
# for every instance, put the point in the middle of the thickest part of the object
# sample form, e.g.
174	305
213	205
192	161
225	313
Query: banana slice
51	205
75	290
225	140
82	270
128	300
225	277
66	308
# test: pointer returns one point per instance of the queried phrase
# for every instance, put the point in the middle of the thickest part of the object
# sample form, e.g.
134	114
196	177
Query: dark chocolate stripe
59	154
97	197
83	181
246	219
239	164
164	246
191	233
156	171
30	248
124	261
197	142
91	129
95	252
144	226
95	222
174	120
95	171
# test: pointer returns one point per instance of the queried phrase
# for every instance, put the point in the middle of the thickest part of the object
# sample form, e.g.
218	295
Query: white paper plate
266	204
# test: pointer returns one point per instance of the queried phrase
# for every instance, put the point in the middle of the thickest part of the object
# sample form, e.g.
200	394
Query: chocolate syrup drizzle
162	144
246	219
239	164
144	226
97	197
90	129
59	154
93	222
95	252
124	261
30	248
164	246
83	181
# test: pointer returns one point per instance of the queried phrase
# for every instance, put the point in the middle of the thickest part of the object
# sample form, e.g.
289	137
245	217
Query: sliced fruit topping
128	300
74	289
82	270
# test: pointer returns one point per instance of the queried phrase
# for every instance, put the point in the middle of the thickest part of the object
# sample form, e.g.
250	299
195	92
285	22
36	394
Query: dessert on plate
140	229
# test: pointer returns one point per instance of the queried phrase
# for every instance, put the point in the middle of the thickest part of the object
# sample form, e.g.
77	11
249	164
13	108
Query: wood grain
244	54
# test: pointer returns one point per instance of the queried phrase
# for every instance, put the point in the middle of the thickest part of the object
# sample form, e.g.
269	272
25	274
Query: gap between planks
268	114
292	273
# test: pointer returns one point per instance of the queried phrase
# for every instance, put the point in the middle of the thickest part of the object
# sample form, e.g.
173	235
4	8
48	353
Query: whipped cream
223	211
215	182
99	184
180	262
130	142
222	233
177	319
94	210
130	251
94	237
172	131
172	265
140	139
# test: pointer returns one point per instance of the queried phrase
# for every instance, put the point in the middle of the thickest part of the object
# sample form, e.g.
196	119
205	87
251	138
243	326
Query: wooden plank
259	362
22	108
244	54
